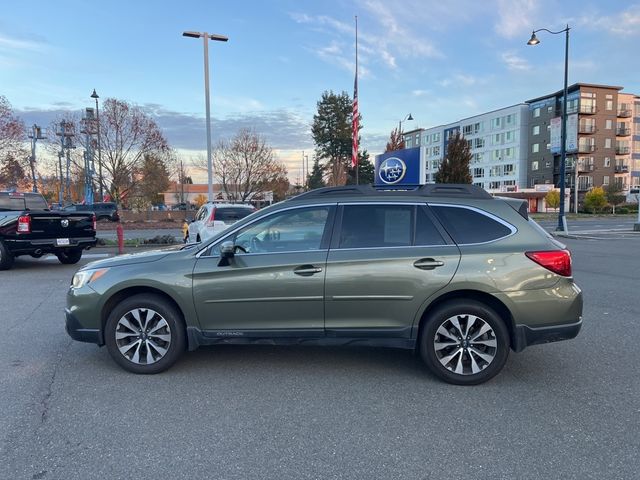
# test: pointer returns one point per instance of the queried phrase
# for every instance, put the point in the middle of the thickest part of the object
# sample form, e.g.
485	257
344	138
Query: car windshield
19	202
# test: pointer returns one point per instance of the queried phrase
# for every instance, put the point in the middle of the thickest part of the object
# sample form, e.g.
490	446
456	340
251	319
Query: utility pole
87	129
66	133
95	96
35	135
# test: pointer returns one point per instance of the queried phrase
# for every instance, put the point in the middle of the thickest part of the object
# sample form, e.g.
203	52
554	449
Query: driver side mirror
227	252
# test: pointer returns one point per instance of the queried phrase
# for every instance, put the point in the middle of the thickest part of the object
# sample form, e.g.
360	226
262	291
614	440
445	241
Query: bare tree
245	165
127	135
13	154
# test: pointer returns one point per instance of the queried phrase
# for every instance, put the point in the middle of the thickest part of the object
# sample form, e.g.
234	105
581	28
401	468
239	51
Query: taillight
95	222
557	261
212	217
24	224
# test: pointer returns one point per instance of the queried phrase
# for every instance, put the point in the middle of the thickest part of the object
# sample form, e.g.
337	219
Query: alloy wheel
143	336
465	344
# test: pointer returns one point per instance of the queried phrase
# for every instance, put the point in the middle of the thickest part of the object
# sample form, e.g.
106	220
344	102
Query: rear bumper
47	245
75	330
525	336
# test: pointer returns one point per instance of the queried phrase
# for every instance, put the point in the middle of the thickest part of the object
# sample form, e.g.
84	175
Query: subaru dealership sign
401	168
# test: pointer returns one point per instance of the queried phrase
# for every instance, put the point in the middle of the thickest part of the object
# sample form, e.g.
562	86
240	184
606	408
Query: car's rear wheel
144	334
69	257
464	342
6	257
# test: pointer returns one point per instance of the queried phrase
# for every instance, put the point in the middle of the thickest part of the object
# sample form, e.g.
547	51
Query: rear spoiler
519	205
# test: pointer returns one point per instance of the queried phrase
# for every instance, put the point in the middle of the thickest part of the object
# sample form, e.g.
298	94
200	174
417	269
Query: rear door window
469	225
381	226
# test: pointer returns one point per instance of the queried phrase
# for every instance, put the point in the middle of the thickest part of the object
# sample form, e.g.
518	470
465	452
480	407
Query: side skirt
197	338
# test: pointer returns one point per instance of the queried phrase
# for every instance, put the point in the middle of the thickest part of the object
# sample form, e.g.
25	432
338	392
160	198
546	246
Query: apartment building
498	142
600	133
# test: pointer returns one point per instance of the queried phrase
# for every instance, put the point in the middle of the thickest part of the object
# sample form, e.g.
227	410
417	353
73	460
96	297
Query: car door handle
427	263
307	270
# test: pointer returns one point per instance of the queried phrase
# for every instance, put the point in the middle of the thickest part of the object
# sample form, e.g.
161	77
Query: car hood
133	258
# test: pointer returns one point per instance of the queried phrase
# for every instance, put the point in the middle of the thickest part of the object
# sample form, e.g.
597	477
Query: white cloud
9	43
626	23
419	93
515	17
515	62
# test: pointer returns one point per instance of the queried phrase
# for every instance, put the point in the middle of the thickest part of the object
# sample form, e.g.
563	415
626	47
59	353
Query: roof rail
429	190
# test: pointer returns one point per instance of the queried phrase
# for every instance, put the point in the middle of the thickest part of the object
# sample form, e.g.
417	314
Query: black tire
174	330
69	257
6	257
458	359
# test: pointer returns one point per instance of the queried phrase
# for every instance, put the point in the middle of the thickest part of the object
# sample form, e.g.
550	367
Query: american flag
354	152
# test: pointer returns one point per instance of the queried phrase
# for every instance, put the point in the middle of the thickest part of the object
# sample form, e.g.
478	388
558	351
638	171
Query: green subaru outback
445	270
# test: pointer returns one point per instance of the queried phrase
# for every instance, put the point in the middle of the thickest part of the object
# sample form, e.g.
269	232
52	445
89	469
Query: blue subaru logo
392	170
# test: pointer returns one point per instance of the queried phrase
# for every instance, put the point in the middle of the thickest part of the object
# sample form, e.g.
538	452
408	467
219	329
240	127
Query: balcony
588	109
624	112
621	169
586	148
622	150
586	128
623	132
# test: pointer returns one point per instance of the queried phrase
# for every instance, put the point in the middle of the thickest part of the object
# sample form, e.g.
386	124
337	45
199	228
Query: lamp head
409	117
94	94
533	40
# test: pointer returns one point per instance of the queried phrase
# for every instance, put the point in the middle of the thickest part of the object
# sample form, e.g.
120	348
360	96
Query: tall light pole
206	37
563	132
95	96
405	119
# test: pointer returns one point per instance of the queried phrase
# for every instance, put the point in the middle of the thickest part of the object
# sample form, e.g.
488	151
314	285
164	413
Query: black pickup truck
28	227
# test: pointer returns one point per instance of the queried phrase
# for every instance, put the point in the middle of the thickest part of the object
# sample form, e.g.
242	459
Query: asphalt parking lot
565	410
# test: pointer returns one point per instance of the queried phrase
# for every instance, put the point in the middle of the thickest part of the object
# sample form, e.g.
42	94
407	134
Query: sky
440	61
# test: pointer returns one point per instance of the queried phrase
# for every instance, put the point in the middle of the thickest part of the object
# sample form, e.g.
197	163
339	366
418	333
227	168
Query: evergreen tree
315	178
331	132
455	166
366	170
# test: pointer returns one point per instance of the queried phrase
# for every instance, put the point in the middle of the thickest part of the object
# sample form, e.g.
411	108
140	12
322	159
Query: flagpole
356	133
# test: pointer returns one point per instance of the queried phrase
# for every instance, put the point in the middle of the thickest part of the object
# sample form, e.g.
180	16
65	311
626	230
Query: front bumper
77	332
525	336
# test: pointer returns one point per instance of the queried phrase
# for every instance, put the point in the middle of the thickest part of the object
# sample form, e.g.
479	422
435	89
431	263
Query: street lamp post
407	118
95	96
206	37
563	132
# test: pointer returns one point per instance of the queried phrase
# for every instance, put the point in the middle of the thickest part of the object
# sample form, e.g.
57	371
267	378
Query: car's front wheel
145	334
464	342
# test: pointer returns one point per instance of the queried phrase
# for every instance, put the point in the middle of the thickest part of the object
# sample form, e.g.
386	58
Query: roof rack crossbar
429	190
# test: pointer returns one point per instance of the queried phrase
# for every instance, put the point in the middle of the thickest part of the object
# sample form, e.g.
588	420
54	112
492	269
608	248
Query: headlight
81	278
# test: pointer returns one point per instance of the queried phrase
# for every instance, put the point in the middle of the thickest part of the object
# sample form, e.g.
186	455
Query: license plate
62	241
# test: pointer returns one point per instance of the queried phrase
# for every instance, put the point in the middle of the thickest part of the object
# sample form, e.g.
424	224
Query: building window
609	105
548	146
608	124
435	137
510	118
467	129
547	164
476	127
535	148
508	152
509	169
494	185
417	140
536	112
534	166
496	154
407	142
435	164
605	180
536	129
496	139
478	172
607	143
479	142
495	171
436	151
607	161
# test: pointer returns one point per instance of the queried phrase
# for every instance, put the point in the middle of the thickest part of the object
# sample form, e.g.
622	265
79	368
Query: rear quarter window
467	225
232	214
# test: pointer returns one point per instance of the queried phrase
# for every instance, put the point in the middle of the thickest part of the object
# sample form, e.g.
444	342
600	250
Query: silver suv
212	218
